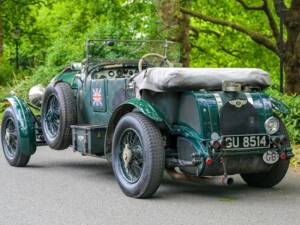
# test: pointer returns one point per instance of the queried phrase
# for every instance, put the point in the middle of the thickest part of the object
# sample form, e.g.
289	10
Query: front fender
279	106
25	122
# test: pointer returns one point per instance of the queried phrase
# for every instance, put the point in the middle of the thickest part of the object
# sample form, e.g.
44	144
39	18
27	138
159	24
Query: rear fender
25	120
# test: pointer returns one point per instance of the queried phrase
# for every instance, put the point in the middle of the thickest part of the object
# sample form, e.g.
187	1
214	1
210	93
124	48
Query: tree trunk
292	50
185	40
177	24
1	35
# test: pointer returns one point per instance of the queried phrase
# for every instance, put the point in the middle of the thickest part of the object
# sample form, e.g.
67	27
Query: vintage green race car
134	107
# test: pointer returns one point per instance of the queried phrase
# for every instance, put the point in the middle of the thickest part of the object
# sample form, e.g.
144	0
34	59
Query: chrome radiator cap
231	86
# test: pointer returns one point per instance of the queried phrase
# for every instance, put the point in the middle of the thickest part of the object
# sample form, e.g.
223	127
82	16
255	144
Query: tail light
283	156
209	161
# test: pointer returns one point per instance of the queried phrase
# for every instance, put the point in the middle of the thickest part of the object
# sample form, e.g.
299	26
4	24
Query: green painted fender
142	106
147	109
279	106
25	122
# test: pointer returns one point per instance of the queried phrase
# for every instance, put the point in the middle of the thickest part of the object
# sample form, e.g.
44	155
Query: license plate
246	142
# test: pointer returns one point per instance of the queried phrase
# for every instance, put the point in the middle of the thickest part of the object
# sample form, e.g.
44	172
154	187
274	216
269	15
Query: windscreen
103	50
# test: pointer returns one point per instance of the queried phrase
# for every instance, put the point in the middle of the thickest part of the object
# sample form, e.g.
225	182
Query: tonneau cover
178	79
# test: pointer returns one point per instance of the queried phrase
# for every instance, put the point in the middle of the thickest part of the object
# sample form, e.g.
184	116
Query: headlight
272	125
36	94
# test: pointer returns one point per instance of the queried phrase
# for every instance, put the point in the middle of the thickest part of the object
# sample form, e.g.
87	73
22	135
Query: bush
291	120
6	73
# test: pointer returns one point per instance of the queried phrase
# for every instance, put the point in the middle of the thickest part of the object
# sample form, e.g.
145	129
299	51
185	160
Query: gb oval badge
270	157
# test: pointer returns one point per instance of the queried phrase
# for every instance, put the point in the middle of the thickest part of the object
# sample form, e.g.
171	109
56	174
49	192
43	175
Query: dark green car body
193	115
204	132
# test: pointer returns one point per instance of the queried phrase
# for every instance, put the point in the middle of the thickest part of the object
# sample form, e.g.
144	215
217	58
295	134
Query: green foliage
291	120
228	48
6	73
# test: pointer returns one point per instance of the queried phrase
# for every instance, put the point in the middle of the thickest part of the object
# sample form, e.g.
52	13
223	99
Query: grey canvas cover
178	79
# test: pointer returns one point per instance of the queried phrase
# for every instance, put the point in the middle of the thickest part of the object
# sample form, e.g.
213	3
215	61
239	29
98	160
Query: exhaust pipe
228	181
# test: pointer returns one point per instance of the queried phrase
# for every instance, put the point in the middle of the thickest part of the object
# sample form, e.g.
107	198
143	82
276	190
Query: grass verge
296	160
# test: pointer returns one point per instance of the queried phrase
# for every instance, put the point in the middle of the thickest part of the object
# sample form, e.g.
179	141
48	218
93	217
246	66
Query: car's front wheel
137	155
10	138
270	178
275	174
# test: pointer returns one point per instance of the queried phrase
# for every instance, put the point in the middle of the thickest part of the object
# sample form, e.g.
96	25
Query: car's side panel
205	118
26	124
90	95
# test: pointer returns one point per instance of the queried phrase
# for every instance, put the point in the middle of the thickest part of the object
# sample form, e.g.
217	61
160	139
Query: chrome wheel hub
7	135
127	155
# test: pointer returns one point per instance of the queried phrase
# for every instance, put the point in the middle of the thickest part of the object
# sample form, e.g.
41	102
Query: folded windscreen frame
105	51
181	79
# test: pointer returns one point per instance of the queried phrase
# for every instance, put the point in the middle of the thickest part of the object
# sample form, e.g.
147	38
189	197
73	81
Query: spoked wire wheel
131	155
58	114
52	118
10	142
138	155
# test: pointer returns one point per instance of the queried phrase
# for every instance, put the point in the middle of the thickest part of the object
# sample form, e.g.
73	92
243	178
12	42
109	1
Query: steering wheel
164	60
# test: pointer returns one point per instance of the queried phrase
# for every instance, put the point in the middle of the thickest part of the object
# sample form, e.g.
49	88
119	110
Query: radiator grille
233	120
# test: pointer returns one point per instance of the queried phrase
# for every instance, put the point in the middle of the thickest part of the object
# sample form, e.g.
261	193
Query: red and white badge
97	97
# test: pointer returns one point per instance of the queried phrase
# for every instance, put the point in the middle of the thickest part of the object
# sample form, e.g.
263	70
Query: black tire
56	130
274	175
10	138
147	146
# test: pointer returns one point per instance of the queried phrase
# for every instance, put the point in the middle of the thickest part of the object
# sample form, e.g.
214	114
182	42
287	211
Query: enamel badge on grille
97	97
238	103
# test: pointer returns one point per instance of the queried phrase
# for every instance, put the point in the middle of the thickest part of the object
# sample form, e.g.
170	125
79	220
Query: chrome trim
231	86
218	100
249	98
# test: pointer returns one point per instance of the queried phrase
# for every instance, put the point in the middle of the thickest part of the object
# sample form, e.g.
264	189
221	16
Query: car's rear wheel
137	155
274	175
58	114
10	138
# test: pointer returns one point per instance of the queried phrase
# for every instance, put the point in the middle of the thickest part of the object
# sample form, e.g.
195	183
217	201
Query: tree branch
200	49
247	7
233	53
255	36
265	7
272	22
206	31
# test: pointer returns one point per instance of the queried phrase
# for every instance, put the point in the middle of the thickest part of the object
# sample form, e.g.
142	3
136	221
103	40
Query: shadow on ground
208	187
